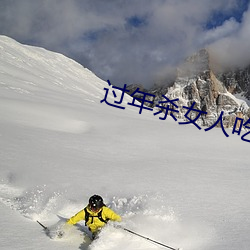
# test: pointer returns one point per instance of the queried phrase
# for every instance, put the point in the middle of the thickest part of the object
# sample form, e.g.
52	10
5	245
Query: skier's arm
77	217
110	214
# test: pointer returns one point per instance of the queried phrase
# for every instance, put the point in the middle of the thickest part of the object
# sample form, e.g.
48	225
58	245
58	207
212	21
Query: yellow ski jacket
94	223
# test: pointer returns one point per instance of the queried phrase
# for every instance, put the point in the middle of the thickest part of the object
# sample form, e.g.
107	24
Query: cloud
228	28
125	41
232	50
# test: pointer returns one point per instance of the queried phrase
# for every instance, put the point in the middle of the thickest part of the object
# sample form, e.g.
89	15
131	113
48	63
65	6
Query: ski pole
146	238
45	228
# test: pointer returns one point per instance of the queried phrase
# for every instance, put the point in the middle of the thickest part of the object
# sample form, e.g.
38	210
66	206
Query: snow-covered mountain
198	81
59	145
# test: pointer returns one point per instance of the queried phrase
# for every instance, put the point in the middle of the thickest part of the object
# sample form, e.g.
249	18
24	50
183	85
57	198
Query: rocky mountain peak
197	64
237	81
196	81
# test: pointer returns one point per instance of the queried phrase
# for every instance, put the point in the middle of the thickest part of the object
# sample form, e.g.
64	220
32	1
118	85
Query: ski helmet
96	202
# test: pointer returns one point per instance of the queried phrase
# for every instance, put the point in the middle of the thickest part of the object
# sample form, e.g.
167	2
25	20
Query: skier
95	214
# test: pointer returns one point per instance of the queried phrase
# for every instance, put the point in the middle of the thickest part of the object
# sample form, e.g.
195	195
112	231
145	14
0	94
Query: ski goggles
94	208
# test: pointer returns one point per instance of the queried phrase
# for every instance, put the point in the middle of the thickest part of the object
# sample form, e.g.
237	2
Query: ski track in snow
42	116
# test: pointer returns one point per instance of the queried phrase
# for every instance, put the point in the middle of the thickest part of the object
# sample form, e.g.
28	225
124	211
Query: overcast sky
131	41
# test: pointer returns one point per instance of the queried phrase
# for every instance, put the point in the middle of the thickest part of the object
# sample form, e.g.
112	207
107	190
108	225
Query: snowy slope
173	183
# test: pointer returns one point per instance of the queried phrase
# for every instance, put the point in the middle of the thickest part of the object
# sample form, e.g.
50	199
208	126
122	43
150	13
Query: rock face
212	93
237	81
